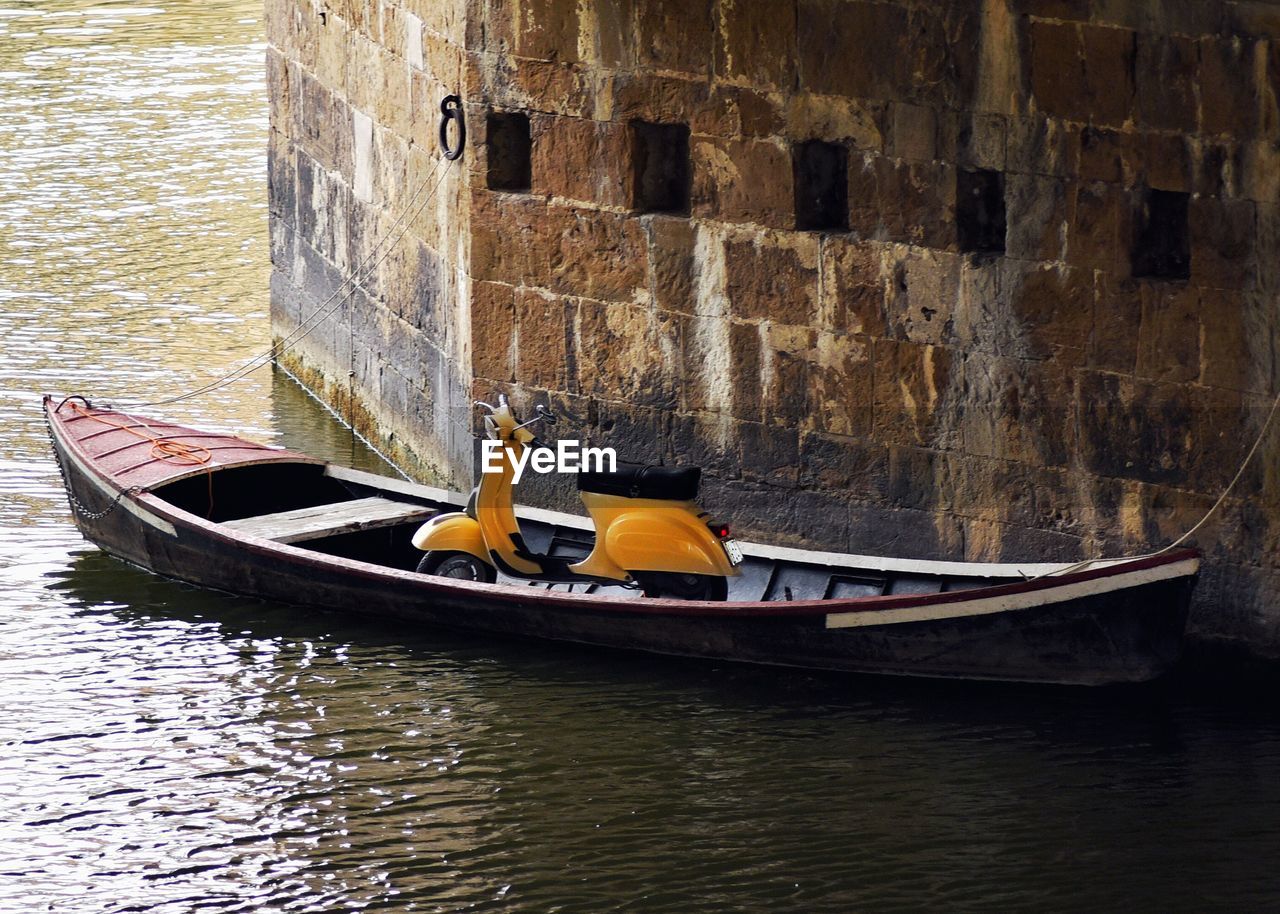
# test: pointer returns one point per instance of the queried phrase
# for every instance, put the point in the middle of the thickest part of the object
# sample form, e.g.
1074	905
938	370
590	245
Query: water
166	749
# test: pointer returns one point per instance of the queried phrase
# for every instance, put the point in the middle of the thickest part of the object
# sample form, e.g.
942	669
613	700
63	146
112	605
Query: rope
166	449
330	304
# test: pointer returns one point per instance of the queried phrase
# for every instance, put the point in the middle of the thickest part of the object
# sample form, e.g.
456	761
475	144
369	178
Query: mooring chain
77	505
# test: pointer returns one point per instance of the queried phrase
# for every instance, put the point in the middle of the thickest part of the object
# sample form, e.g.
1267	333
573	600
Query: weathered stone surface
911	384
743	181
911	203
923	290
754	43
1165	87
626	352
874	388
581	160
827	29
1169	341
853	287
773	276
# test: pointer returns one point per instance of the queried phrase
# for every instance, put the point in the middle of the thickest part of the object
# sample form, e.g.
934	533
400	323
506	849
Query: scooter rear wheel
682	586
459	565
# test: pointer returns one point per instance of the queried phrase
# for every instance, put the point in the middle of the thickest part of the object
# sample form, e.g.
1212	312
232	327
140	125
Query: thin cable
328	306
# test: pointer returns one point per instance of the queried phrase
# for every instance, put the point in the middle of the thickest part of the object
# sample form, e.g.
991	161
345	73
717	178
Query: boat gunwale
166	512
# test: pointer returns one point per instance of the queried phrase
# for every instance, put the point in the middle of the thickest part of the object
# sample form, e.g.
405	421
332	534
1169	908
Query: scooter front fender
453	532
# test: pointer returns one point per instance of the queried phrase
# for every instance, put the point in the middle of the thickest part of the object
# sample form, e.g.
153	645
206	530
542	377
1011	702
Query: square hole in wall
509	151
660	159
980	217
821	178
1162	242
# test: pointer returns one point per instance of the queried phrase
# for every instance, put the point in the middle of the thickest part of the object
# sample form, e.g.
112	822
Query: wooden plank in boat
330	520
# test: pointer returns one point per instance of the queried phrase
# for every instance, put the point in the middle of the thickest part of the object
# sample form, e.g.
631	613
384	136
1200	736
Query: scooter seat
638	480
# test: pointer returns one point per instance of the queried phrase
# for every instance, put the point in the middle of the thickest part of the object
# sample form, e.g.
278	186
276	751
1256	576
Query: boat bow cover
124	447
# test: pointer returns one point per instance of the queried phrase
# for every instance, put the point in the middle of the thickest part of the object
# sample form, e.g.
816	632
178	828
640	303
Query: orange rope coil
161	448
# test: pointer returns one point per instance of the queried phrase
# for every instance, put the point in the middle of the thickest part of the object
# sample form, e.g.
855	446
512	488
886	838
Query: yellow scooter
649	531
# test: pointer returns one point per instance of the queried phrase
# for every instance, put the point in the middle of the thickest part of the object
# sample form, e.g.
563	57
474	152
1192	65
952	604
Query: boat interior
362	516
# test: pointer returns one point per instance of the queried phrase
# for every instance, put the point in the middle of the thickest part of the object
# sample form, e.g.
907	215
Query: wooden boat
226	513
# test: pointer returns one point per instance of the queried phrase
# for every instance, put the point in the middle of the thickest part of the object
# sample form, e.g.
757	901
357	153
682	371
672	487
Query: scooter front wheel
445	563
682	586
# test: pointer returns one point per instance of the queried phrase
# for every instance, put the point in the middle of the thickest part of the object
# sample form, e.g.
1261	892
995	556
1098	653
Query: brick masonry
873	388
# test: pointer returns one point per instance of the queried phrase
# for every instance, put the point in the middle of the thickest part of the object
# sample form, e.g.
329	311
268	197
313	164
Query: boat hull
1128	635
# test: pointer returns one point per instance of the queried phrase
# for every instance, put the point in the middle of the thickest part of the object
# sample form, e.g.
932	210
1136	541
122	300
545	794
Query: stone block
840	384
1158	160
493	327
1043	146
835	463
909	203
521	240
1169	340
547	30
1057	70
773	276
1117	315
609	28
1135	429
1255	18
922	295
1099	227
707	440
1223	236
581	160
759	114
877	530
853	287
941	54
1018	410
1037	217
627	352
1238	339
1002	490
980	141
1260	172
1228	88
673	273
1214	169
920	478
673	99
638	434
742	181
1050	313
828	29
786	359
835	119
1109	68
1102	155
721	367
754	42
1165	82
911	393
768	453
674	35
541	340
914	133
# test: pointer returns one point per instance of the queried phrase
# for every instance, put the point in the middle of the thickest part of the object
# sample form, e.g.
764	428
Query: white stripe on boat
1014	601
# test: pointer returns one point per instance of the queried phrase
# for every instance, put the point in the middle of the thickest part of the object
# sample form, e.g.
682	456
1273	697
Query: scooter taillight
720	530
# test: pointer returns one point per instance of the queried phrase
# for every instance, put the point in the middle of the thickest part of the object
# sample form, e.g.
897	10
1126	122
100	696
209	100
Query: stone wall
1040	323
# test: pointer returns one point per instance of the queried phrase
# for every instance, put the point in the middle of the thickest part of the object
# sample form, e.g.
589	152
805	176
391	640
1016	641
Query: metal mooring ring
451	109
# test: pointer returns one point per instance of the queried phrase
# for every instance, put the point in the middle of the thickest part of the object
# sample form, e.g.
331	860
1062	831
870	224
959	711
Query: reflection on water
167	749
